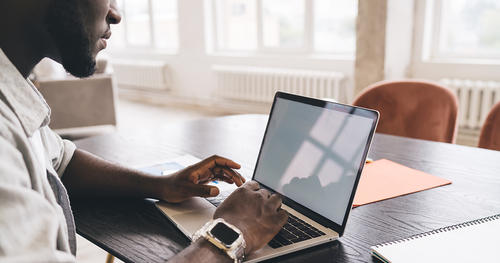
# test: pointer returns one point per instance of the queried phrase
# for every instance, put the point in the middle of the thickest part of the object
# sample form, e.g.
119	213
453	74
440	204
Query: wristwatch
225	236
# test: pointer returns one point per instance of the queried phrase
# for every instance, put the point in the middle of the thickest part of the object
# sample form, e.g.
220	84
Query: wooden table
134	231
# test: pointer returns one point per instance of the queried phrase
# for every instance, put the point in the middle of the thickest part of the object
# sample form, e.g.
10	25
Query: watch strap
237	249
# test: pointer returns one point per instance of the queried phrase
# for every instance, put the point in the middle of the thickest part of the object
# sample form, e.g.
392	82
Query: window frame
307	49
434	30
426	66
152	45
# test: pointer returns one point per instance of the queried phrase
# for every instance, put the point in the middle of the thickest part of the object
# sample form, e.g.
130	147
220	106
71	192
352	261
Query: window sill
462	61
476	69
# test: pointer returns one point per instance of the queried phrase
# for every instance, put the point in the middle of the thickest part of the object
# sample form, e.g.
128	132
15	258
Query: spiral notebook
473	241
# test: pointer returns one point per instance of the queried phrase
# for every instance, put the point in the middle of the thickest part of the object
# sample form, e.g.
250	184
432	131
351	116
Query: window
306	26
283	23
147	24
335	26
465	29
236	25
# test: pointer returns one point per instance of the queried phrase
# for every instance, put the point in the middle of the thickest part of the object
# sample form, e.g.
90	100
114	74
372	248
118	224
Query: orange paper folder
384	179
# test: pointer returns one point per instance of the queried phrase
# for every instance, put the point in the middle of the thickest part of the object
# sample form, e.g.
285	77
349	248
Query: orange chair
413	108
490	132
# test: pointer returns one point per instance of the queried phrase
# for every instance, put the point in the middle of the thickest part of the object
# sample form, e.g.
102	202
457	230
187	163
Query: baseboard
468	137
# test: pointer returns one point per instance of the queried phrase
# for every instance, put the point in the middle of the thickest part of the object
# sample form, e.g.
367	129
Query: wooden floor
133	116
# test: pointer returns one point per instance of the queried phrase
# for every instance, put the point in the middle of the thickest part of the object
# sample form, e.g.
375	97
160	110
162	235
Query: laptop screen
312	154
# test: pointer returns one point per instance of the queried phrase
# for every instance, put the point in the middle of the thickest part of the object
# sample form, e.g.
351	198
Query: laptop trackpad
190	215
192	204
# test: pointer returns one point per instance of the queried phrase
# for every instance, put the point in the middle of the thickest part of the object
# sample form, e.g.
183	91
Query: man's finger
203	190
226	162
242	179
210	175
221	174
282	217
224	177
235	176
252	185
194	177
275	202
201	176
204	175
265	193
215	160
207	169
227	180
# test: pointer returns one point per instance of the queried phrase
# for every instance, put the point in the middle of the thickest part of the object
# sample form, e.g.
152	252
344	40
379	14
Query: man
38	169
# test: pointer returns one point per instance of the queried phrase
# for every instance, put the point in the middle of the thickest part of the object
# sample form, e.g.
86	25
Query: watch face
224	234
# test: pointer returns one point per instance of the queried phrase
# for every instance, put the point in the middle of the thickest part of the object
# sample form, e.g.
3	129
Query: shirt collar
22	97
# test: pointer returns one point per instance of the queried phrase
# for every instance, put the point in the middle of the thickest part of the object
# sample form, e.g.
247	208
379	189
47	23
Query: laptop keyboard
218	199
295	230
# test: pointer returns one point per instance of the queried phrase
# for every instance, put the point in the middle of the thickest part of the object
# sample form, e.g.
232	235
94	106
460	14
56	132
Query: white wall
399	38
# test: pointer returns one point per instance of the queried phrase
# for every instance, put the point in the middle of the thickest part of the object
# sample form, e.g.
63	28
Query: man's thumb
205	190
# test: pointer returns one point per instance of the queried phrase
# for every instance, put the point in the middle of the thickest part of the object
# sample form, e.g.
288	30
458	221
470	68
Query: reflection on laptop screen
312	155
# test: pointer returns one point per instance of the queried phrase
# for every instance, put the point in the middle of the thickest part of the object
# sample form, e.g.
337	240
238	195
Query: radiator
150	75
257	84
475	99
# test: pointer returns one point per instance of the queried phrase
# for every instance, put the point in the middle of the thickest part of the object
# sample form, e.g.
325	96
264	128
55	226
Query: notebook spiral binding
443	229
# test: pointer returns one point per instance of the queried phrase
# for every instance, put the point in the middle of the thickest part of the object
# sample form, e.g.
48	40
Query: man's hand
192	181
255	212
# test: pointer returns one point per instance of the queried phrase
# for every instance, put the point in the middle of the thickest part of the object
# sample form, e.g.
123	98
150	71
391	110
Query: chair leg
110	258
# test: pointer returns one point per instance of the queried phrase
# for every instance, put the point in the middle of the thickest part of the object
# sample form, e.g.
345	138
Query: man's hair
73	41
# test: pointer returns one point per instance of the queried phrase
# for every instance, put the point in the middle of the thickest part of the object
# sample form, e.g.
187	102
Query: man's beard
65	25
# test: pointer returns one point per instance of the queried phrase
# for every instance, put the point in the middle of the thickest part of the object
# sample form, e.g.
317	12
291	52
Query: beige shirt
36	224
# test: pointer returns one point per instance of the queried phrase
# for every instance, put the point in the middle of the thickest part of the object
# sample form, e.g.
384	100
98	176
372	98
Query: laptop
312	153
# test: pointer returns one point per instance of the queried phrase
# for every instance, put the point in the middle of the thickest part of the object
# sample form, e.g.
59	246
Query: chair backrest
413	108
78	103
490	132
